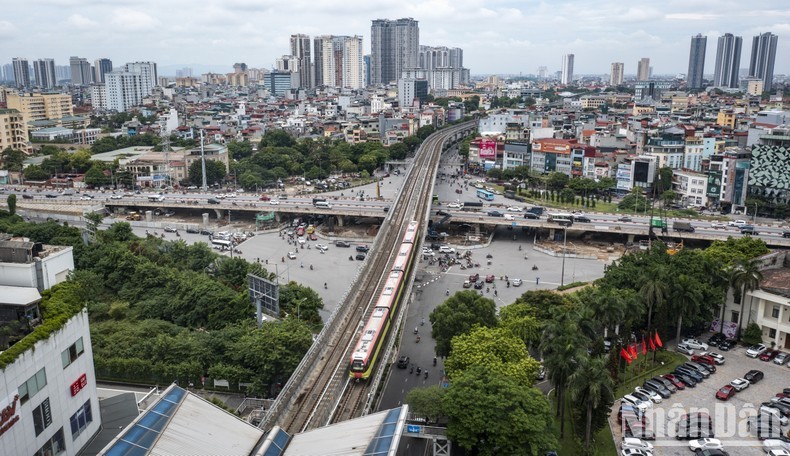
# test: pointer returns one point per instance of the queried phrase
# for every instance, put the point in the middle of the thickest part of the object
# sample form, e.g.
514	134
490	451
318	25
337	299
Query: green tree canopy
457	315
495	349
427	402
215	172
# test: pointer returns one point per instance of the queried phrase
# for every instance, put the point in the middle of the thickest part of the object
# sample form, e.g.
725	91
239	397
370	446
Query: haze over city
504	37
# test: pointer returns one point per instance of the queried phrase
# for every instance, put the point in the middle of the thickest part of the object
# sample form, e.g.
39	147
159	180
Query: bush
752	335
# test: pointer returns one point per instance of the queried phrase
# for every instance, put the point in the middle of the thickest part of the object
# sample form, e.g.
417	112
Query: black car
27	196
495	214
754	376
206	232
716	339
360	256
748	229
363	248
530	215
686	379
690	373
193	230
581	219
342	244
403	362
479	285
726	345
786	234
441	212
52	195
710	452
213	201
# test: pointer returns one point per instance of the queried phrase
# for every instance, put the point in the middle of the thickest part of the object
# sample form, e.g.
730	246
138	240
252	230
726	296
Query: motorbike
419	369
416	331
534	267
426	373
489	256
434	361
350	258
418	339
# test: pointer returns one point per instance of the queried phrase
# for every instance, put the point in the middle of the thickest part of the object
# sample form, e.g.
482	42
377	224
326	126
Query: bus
155	198
485	194
561	219
221	244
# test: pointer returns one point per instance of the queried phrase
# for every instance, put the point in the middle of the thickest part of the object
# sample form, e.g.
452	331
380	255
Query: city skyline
499	37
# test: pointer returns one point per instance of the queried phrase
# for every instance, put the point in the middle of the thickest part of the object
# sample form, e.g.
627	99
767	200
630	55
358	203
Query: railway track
320	390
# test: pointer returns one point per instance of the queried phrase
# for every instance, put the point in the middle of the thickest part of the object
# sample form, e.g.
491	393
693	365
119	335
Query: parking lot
733	420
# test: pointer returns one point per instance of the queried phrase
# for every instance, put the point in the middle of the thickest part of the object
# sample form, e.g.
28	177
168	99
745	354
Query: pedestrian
537	280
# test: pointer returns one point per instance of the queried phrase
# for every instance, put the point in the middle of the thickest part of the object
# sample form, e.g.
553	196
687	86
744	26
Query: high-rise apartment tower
394	47
761	64
728	59
696	61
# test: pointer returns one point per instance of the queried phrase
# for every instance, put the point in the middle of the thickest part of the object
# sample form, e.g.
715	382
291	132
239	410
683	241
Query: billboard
265	295
714	183
487	148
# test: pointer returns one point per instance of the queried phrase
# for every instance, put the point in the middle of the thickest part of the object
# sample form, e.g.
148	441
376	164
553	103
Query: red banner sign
77	386
8	415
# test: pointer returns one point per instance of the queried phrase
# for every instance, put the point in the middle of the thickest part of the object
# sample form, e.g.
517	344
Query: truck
472	206
683	226
510	194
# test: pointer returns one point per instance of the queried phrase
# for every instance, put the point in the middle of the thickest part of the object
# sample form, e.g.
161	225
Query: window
772	333
81	419
71	354
735	316
54	446
32	386
775	312
42	417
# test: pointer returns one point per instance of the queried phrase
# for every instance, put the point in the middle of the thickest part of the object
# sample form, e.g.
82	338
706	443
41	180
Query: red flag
658	340
644	345
624	354
652	344
632	351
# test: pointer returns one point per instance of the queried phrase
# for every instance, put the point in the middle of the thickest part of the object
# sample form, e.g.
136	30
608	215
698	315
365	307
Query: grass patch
571	285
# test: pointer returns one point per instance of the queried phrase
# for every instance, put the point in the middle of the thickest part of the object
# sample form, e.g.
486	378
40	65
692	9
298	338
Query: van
323	205
683	226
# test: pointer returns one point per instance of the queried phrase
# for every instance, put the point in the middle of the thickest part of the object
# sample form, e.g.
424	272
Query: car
726	345
768	355
301	240
581	219
490	278
455	206
694	343
754	376
686	379
740	384
342	244
624	218
479	285
403	362
749	229
767	408
542	372
705	370
775	445
515	209
642	397
717	225
291	255
704	360
781	358
725	392
531	215
170	229
495	214
441	212
509	217
786	234
652	395
516	282
312	237
361	256
467	284
657	387
363	248
716	357
715	339
677	383
737	223
213	201
697	376
667	384
474	277
27	196
86	198
427	252
755	350
685	349
274	202
114	197
636	444
322	247
705	444
711	452
635	452
192	230
783	407
446	249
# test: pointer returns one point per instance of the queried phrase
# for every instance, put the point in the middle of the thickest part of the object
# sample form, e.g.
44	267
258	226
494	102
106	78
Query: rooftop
776	281
19	296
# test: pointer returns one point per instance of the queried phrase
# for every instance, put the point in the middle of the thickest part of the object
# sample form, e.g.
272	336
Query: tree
557	181
745	276
494	414
520	320
664	180
11	201
95	176
427	402
35	173
13	159
685	298
215	172
591	386
239	149
561	346
653	292
753	334
495	349
457	315
277	138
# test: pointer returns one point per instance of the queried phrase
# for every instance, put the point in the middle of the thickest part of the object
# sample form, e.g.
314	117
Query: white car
756	350
777	414
685	349
86	198
778	453
516	282
302	240
116	197
716	357
705	444
274	202
655	397
322	247
694	343
775	445
738	223
740	384
635	452
291	255
455	205
446	249
636	444
515	209
509	217
636	402
427	252
717	225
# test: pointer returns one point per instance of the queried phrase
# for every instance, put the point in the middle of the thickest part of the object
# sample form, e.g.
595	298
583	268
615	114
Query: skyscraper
149	76
80	71
300	49
696	61
339	61
123	90
728	59
643	69
761	64
567	69
21	72
44	70
100	68
616	75
394	47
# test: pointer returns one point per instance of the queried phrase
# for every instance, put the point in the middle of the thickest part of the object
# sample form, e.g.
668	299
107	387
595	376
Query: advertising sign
714	183
77	386
487	148
9	414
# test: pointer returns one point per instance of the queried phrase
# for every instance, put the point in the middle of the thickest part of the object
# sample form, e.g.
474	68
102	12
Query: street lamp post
564	244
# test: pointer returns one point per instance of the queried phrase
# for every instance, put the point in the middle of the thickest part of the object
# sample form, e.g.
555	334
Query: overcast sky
497	36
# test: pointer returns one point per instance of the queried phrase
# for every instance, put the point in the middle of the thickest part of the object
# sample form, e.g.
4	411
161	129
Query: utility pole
166	150
203	161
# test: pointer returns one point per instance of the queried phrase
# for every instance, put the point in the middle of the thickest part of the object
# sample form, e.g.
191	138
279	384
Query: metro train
370	342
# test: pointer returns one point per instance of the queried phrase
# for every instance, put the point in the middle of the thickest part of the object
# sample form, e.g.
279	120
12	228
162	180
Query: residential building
696	69
148	75
338	61
616	74
433	57
643	69
728	176
286	63
13	130
124	90
21	72
761	63
690	187
552	155
394	47
516	154
412	92
752	86
99	96
239	67
567	69
100	68
279	83
41	106
300	50
694	153
366	62
728	61
44	71
81	73
768	176
650	89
